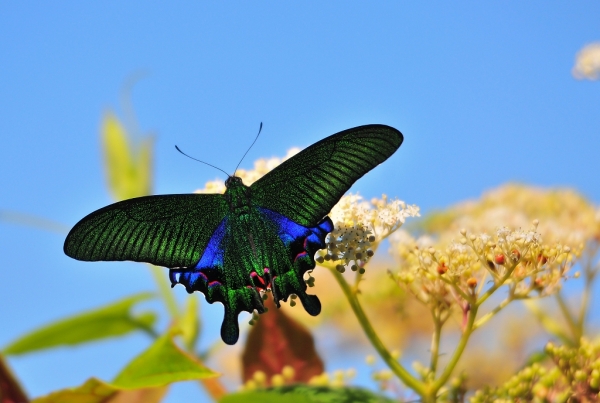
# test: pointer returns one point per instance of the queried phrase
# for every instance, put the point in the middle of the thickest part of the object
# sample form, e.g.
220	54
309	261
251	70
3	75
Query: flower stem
408	379
497	284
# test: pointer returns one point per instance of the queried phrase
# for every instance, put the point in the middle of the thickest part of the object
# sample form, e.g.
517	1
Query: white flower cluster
358	224
508	238
349	244
261	168
381	216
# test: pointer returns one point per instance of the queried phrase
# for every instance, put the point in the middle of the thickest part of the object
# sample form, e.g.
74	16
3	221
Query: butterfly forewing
306	187
166	230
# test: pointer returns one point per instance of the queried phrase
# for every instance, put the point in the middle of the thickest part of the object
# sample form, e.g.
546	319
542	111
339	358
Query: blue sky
482	91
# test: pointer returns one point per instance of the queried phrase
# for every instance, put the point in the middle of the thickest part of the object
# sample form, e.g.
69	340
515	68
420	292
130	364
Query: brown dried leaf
10	390
276	341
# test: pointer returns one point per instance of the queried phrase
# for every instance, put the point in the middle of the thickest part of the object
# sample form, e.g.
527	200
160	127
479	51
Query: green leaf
189	323
128	169
161	364
307	394
110	321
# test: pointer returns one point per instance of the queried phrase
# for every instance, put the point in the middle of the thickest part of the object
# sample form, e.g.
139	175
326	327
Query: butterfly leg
271	281
258	301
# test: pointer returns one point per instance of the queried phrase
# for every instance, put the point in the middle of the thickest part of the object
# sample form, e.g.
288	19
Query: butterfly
235	246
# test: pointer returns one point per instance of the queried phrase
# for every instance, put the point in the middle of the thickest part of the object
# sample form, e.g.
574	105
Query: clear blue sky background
481	90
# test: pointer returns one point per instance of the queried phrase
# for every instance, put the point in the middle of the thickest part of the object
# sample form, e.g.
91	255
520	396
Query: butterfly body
273	251
236	245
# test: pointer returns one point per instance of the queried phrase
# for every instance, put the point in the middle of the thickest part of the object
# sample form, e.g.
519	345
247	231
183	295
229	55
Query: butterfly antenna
258	134
195	159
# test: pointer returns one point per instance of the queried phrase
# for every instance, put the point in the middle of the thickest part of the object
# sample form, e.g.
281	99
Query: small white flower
456	247
485	238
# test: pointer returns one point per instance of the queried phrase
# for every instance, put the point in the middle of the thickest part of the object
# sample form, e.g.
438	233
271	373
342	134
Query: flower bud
515	255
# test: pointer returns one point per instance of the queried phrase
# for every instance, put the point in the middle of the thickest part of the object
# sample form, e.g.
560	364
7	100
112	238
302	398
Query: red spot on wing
259	281
299	255
258	278
303	253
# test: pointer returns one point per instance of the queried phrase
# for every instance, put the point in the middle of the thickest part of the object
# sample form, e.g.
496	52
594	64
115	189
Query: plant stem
408	379
573	326
214	388
490	314
435	344
590	277
164	290
460	348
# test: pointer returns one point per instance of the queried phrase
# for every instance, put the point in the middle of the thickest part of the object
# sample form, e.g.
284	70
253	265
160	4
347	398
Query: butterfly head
233	182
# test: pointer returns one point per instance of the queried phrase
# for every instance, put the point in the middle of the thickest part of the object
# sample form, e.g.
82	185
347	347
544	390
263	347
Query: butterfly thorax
237	196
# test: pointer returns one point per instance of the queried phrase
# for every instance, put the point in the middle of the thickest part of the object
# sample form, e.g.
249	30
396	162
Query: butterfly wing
305	187
165	230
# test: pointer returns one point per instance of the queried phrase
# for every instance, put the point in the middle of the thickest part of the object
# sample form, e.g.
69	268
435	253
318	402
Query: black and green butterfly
235	245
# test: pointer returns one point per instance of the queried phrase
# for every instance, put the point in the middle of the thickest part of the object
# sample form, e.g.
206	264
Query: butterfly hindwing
249	255
305	187
165	230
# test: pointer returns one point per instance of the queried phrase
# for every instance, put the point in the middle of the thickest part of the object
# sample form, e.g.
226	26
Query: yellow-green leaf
97	391
144	165
128	168
144	380
161	364
109	321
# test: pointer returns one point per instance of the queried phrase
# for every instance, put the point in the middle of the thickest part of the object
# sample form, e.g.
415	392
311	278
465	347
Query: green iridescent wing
166	230
306	187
